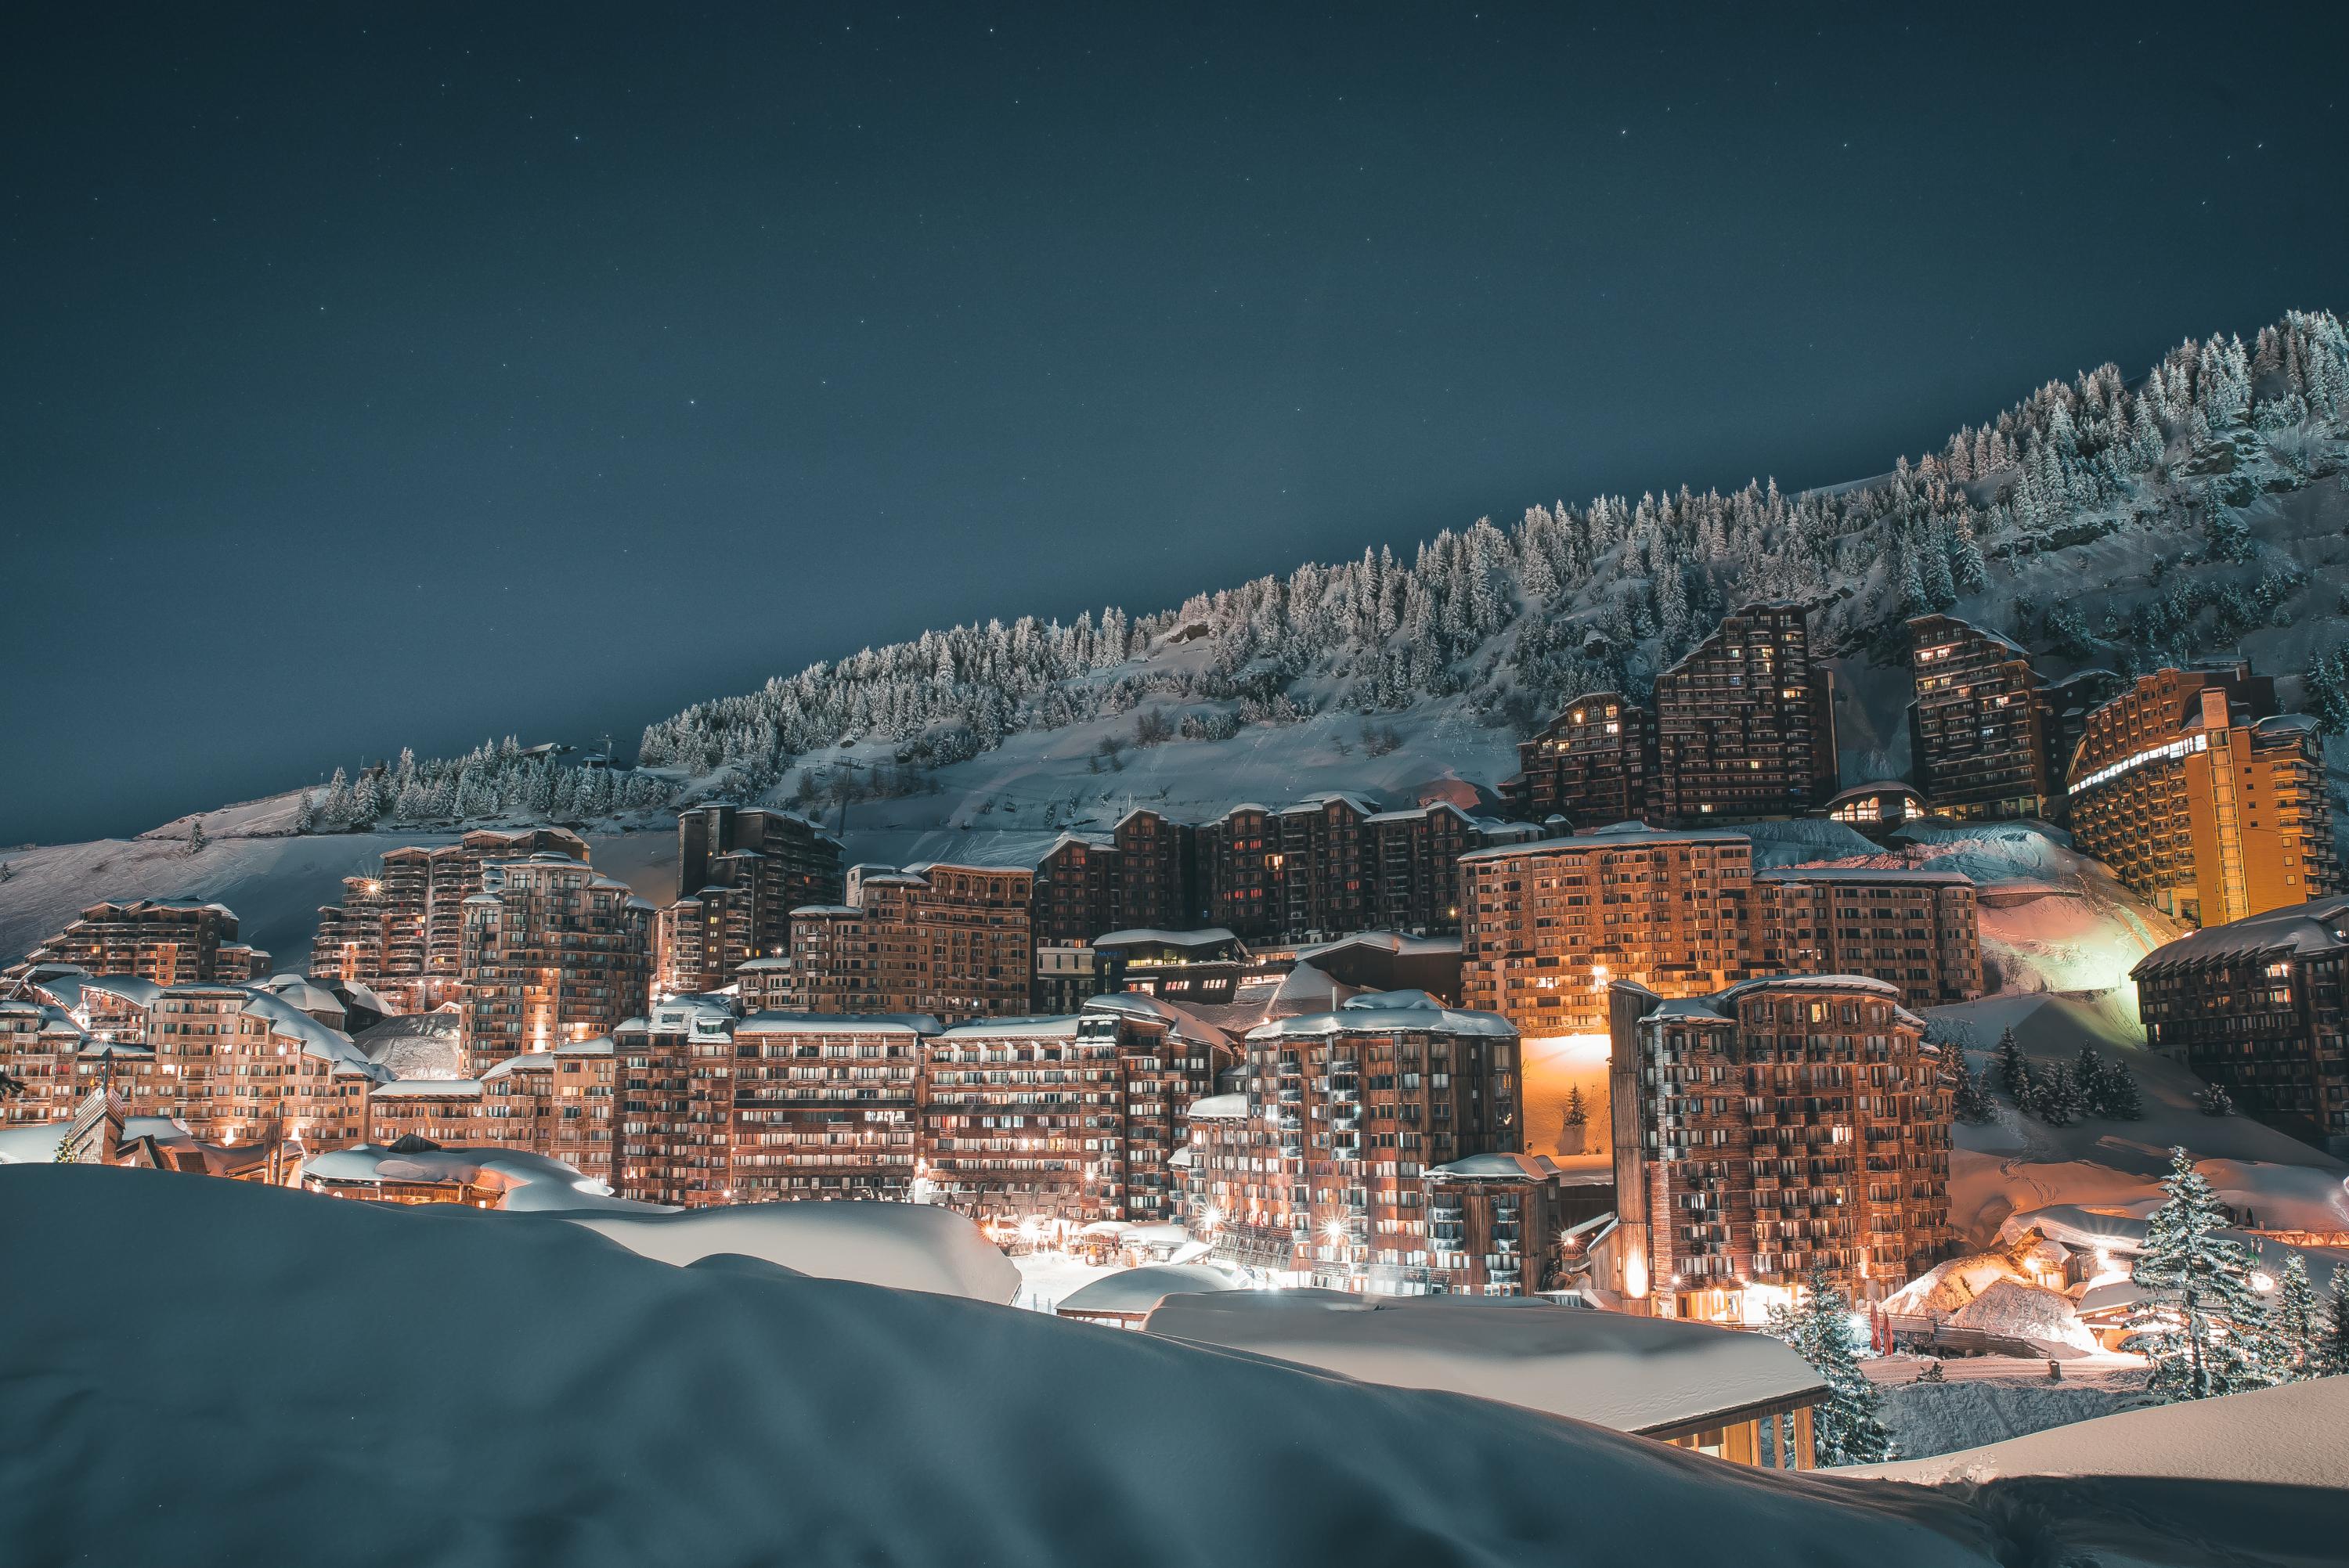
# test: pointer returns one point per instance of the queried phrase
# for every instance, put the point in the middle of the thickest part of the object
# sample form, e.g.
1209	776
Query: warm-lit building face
1547	926
1023	1122
171	942
1594	764
826	1105
1745	722
1348	1113
2201	800
740	871
1785	1124
2259	1007
953	942
1979	730
554	952
1918	929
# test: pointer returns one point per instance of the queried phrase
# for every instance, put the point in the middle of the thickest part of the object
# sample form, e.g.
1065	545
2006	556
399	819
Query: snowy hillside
2018	1163
732	1413
254	862
2101	521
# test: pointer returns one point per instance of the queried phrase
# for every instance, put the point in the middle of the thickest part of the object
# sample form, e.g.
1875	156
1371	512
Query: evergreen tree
2332	1348
2202	1325
334	812
196	840
65	1151
2014	1073
1846	1427
2088	1077
2122	1101
1578	1111
2297	1321
305	814
2214	1101
1970	1105
2055	1096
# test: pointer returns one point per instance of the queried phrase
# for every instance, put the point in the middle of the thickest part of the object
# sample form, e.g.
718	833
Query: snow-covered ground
420	1387
448	1387
2295	1435
2018	1162
253	863
1990	1398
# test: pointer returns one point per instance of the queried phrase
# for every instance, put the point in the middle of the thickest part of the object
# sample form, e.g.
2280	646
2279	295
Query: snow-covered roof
1880	787
528	1062
131	988
1380	1012
316	1040
1659	1376
1410	813
1056	1026
1887	876
428	1088
1137	1291
1218	1108
1622	836
1180	1022
1151	935
2298	931
763	964
1487	1166
1314	802
838	1024
2268	1443
1395	942
522	1179
823	910
415	1045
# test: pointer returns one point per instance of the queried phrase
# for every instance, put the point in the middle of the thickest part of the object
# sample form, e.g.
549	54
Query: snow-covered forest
1508	622
1512	621
493	780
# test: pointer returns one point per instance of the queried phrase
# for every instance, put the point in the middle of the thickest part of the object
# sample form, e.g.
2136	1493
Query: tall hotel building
1745	722
2202	799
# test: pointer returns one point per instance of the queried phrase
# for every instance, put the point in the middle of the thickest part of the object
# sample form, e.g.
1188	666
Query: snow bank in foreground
905	1246
2292	1435
455	1388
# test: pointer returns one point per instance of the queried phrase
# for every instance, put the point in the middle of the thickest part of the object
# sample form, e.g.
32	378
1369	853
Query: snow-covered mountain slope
458	1388
253	862
2100	520
2018	1162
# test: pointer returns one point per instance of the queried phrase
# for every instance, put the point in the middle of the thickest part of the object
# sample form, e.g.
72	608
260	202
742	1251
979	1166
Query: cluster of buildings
1050	1045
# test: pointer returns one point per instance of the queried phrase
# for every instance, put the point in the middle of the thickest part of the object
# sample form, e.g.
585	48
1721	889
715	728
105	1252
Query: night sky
411	376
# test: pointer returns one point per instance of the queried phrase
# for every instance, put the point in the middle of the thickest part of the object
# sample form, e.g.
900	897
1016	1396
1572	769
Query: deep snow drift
207	1372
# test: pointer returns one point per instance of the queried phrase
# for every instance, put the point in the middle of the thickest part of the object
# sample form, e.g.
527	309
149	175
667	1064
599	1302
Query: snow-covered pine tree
2295	1320
2332	1348
2088	1077
1971	1104
2202	1325
1577	1109
2055	1096
2122	1099
2013	1072
335	811
1848	1426
306	814
2214	1101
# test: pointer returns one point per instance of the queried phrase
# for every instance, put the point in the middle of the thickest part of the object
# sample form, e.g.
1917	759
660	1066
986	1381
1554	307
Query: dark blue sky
405	376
